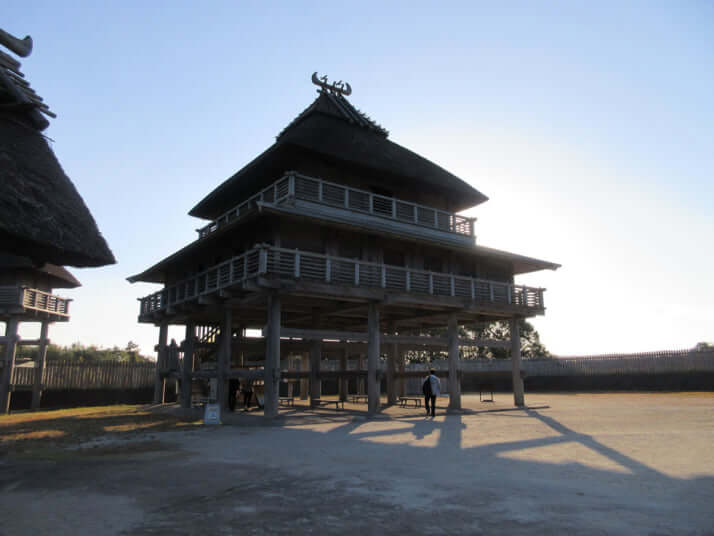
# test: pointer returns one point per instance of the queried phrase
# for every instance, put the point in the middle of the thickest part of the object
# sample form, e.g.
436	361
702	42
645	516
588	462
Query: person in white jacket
432	389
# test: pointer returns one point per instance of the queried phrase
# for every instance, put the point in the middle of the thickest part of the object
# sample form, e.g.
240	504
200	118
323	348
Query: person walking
431	388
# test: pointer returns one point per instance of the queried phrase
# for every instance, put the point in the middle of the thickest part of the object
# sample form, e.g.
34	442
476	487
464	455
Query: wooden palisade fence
103	375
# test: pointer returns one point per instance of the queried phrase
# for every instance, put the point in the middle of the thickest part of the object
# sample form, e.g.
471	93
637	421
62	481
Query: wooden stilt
401	358
9	364
187	370
272	358
518	396
315	383
224	358
391	368
40	368
372	359
343	382
360	365
160	383
304	383
454	379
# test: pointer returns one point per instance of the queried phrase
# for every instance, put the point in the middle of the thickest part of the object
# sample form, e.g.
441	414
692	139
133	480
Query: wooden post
40	368
159	383
401	358
372	359
518	398
360	365
315	383
454	380
9	364
391	366
291	384
187	370
272	358
225	349
304	382
343	385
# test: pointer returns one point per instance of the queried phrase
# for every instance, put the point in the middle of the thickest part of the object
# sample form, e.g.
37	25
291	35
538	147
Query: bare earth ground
571	464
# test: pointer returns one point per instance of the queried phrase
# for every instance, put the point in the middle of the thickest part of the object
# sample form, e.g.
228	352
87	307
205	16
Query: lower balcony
267	262
28	303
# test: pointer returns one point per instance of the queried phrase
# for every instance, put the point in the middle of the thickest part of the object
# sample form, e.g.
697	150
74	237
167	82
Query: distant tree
531	347
85	354
702	346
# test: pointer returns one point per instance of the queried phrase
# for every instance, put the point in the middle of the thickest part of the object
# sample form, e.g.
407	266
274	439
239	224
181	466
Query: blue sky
589	125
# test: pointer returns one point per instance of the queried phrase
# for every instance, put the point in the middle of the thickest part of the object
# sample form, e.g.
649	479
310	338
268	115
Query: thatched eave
42	216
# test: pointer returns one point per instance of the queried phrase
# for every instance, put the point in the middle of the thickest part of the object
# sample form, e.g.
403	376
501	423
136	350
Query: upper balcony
334	273
29	303
301	193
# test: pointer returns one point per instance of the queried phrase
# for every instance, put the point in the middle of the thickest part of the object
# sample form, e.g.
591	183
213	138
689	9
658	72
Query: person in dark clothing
233	386
431	388
247	390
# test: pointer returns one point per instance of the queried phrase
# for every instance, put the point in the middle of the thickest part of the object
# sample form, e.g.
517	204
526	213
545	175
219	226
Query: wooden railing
296	264
297	186
34	299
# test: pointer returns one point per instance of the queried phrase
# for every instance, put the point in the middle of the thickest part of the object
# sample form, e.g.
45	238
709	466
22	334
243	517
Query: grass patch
44	434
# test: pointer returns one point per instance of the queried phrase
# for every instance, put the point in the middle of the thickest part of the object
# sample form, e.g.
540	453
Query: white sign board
212	414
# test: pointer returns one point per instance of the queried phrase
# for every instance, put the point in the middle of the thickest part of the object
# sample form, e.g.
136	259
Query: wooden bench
404	400
356	399
337	403
286	401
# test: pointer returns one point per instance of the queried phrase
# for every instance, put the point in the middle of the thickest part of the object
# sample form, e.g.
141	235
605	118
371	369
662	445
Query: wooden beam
322	334
341	309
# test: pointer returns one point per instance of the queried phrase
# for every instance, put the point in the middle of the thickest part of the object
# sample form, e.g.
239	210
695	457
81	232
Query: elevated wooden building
333	240
44	223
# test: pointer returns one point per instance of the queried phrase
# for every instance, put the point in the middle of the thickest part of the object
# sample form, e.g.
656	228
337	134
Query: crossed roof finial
338	88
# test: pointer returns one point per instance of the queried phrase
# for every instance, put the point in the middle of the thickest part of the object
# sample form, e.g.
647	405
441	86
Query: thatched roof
42	216
58	276
334	129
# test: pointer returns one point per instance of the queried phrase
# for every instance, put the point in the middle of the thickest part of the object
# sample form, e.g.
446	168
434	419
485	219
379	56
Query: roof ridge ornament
21	47
337	88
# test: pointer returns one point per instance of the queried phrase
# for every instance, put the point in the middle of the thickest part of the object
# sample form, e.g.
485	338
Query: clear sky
589	125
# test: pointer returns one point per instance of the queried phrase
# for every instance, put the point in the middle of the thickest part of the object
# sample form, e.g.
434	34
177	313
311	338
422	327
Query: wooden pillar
315	383
225	350
454	379
343	381
401	358
160	383
272	358
187	369
391	380
373	359
304	382
518	398
291	361
9	364
360	381
40	367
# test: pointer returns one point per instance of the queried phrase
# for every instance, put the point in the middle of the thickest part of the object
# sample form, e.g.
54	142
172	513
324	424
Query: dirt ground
570	464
